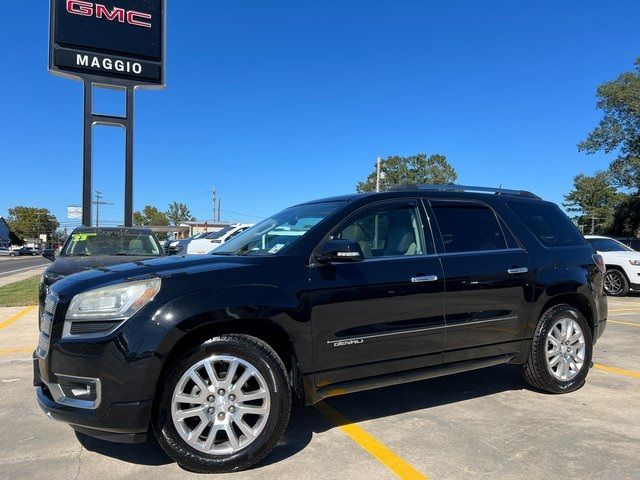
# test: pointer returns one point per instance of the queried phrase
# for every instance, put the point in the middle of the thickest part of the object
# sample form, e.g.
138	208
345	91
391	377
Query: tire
12	254
615	283
250	354
538	371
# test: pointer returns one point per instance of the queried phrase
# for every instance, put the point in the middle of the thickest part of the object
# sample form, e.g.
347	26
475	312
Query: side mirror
340	251
49	254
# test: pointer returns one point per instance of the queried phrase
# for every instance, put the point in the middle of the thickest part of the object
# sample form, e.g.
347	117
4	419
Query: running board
406	377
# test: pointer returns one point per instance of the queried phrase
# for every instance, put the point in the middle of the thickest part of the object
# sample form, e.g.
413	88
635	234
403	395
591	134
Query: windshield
282	230
220	233
117	242
608	245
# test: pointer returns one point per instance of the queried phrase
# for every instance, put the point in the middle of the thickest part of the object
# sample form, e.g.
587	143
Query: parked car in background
632	242
622	262
22	251
6	252
98	247
213	240
328	297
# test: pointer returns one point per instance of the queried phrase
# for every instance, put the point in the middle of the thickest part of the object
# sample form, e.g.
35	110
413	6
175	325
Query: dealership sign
117	40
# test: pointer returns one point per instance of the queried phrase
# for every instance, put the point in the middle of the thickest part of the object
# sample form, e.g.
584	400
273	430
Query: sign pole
87	151
128	162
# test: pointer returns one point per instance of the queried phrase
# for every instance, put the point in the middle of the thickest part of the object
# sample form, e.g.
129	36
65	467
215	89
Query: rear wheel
615	283
561	351
224	405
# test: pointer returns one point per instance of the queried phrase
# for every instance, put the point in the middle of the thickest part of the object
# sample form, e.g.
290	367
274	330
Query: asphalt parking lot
480	424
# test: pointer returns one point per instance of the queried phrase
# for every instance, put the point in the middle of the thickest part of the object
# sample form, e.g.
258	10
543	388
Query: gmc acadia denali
323	298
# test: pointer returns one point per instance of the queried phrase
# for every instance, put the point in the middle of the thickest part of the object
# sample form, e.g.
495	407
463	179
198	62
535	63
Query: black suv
321	299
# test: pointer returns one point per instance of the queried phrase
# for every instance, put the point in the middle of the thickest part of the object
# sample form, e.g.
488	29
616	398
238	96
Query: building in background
204	226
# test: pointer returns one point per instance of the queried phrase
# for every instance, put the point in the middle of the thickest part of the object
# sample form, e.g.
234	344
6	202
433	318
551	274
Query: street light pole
378	175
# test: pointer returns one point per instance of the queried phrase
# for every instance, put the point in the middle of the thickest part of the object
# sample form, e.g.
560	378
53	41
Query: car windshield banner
113	39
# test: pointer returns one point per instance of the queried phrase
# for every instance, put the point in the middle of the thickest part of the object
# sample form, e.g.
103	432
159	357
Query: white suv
623	265
213	240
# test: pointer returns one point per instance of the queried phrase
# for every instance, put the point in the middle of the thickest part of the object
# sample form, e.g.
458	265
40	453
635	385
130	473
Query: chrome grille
46	324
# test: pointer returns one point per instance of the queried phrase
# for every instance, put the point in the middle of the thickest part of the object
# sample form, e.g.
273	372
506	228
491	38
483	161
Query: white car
211	241
623	265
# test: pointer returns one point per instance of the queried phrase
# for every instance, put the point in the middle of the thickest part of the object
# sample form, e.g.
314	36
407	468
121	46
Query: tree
416	169
178	213
626	219
619	129
29	222
593	199
150	216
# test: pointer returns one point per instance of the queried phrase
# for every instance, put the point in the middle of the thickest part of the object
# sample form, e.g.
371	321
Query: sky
274	103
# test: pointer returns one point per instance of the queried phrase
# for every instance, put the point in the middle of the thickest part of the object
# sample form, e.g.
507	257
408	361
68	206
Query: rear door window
548	223
468	227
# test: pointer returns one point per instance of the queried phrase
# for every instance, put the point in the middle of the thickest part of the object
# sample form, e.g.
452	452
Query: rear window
548	223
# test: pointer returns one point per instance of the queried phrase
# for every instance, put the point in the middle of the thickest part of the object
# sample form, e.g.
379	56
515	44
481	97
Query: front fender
181	315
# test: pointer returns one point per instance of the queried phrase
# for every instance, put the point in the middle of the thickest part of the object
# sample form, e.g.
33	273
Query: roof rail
466	188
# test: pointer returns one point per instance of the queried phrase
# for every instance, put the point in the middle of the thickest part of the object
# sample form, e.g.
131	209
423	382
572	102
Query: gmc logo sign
90	9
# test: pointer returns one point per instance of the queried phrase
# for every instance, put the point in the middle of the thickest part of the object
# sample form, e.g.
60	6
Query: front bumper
125	422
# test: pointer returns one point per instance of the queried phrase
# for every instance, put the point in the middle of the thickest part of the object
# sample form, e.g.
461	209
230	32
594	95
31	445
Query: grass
22	293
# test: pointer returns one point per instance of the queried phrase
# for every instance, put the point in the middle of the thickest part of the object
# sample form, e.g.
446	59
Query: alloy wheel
566	349
613	283
220	405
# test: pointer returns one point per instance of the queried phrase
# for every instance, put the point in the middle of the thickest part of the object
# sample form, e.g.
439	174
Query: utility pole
219	201
97	202
214	198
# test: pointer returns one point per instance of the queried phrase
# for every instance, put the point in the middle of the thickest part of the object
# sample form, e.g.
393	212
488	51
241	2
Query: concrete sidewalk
23	275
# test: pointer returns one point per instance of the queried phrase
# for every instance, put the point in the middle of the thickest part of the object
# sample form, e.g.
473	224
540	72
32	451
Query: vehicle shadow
357	407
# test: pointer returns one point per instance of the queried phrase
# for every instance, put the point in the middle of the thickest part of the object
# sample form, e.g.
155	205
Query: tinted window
467	227
608	245
548	223
386	232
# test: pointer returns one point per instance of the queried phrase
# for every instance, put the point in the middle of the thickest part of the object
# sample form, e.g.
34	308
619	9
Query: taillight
599	261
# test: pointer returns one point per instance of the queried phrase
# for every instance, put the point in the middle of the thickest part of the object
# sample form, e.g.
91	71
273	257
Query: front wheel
224	405
561	351
615	283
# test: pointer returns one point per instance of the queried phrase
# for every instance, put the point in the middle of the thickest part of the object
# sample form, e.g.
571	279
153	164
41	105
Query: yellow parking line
624	323
15	317
9	351
371	444
619	371
625	310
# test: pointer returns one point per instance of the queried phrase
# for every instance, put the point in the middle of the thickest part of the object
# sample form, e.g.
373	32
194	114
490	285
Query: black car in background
28	251
98	247
324	298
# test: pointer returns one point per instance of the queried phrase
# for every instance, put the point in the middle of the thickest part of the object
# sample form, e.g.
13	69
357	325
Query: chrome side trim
362	338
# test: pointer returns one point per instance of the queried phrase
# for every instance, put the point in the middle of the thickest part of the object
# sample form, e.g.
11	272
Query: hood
64	266
180	271
608	256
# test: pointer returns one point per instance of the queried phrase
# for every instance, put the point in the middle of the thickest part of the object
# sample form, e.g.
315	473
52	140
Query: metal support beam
126	122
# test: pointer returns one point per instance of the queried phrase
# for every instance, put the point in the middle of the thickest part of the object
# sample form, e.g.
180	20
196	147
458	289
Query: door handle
424	278
516	270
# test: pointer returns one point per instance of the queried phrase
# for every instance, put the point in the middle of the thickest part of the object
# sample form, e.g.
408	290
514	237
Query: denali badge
89	9
344	343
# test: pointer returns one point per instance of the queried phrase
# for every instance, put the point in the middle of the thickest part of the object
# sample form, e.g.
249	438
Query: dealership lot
477	424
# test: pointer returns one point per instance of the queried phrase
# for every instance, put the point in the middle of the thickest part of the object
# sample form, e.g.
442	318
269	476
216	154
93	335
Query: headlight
117	302
635	262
